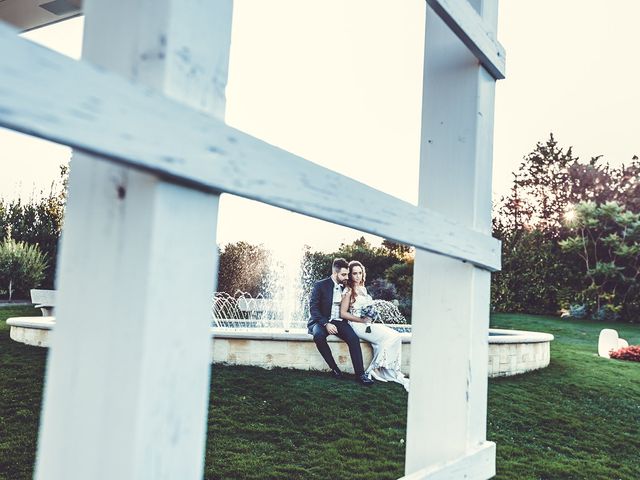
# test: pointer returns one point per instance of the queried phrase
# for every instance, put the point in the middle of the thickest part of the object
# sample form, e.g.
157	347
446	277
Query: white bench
45	300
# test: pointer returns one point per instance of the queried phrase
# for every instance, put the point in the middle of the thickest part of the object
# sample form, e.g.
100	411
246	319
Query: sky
348	97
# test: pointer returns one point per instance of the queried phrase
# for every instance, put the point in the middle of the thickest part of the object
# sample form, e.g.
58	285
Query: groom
325	320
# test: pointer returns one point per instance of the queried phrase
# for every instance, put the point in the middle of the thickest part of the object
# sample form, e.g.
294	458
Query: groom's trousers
346	333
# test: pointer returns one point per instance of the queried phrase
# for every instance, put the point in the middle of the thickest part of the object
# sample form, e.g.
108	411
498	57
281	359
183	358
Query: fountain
269	330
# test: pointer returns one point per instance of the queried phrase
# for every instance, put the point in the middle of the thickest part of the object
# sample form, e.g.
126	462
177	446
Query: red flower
631	353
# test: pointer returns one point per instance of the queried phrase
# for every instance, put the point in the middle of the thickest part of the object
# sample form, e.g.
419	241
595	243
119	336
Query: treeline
570	234
29	234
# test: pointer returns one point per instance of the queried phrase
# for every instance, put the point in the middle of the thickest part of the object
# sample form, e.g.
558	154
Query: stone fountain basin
511	352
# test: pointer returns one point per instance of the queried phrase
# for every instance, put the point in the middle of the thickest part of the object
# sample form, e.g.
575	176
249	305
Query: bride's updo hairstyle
351	283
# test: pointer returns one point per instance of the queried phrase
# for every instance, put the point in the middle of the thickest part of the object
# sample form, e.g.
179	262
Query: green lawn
576	419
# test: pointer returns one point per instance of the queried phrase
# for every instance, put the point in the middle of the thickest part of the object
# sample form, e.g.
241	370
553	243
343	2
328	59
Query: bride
386	342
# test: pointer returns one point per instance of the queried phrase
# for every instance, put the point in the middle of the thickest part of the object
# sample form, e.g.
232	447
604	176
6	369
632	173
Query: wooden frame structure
146	118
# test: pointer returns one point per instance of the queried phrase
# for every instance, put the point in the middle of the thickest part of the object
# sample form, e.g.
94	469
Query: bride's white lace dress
386	343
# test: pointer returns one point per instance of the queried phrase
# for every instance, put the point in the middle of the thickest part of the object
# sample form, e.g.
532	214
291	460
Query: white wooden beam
137	267
448	397
101	113
479	462
474	32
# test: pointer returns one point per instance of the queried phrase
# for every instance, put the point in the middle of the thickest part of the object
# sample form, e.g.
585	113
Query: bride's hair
350	283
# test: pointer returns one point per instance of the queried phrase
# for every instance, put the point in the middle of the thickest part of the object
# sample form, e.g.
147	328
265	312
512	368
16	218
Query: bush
535	275
605	242
381	289
631	353
389	269
401	276
22	267
578	311
38	222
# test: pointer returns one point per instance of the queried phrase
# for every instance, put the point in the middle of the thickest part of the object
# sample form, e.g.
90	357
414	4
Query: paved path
16	303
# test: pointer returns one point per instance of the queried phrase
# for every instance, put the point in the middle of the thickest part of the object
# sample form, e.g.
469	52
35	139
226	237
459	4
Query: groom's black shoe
364	380
337	374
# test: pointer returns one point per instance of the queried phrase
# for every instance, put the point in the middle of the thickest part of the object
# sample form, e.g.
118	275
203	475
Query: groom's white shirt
337	298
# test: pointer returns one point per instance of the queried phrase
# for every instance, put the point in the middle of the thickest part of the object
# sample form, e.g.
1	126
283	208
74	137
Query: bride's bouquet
372	312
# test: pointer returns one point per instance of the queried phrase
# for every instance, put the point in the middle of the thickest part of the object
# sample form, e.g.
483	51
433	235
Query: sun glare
570	214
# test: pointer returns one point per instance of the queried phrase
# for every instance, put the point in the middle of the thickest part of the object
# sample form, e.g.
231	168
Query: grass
576	419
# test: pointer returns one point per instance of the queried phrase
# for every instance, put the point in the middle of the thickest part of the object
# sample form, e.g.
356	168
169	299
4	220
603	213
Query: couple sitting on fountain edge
340	305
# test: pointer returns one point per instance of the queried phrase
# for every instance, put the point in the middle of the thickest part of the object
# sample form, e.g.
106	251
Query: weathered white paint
476	463
101	113
477	34
134	404
447	406
124	228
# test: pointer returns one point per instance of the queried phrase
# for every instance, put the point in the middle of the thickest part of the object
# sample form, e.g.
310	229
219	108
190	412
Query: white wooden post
446	427
137	269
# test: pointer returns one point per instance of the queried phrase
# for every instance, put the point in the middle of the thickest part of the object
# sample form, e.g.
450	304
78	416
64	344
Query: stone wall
511	352
290	350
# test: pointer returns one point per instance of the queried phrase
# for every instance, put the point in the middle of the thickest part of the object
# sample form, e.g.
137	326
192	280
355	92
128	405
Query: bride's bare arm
344	308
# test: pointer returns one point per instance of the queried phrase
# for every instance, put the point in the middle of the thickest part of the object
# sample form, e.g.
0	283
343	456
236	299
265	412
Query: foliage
388	266
535	278
382	289
539	194
400	250
606	241
550	180
375	259
401	276
577	311
38	222
22	267
243	267
540	276
631	353
315	266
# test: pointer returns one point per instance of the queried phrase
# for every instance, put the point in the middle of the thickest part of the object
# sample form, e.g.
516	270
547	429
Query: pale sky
350	99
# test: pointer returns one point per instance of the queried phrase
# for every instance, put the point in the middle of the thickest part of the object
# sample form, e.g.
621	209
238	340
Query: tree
606	241
536	275
244	268
401	276
375	259
38	222
22	267
400	250
539	195
389	268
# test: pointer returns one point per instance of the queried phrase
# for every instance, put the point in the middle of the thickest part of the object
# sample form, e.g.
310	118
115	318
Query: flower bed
631	353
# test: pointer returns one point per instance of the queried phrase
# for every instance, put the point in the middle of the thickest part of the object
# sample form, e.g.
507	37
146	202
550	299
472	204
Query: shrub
381	289
38	222
22	267
631	353
535	275
401	276
578	311
605	241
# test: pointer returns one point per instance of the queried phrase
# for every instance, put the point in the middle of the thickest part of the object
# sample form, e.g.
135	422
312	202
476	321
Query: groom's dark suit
320	314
